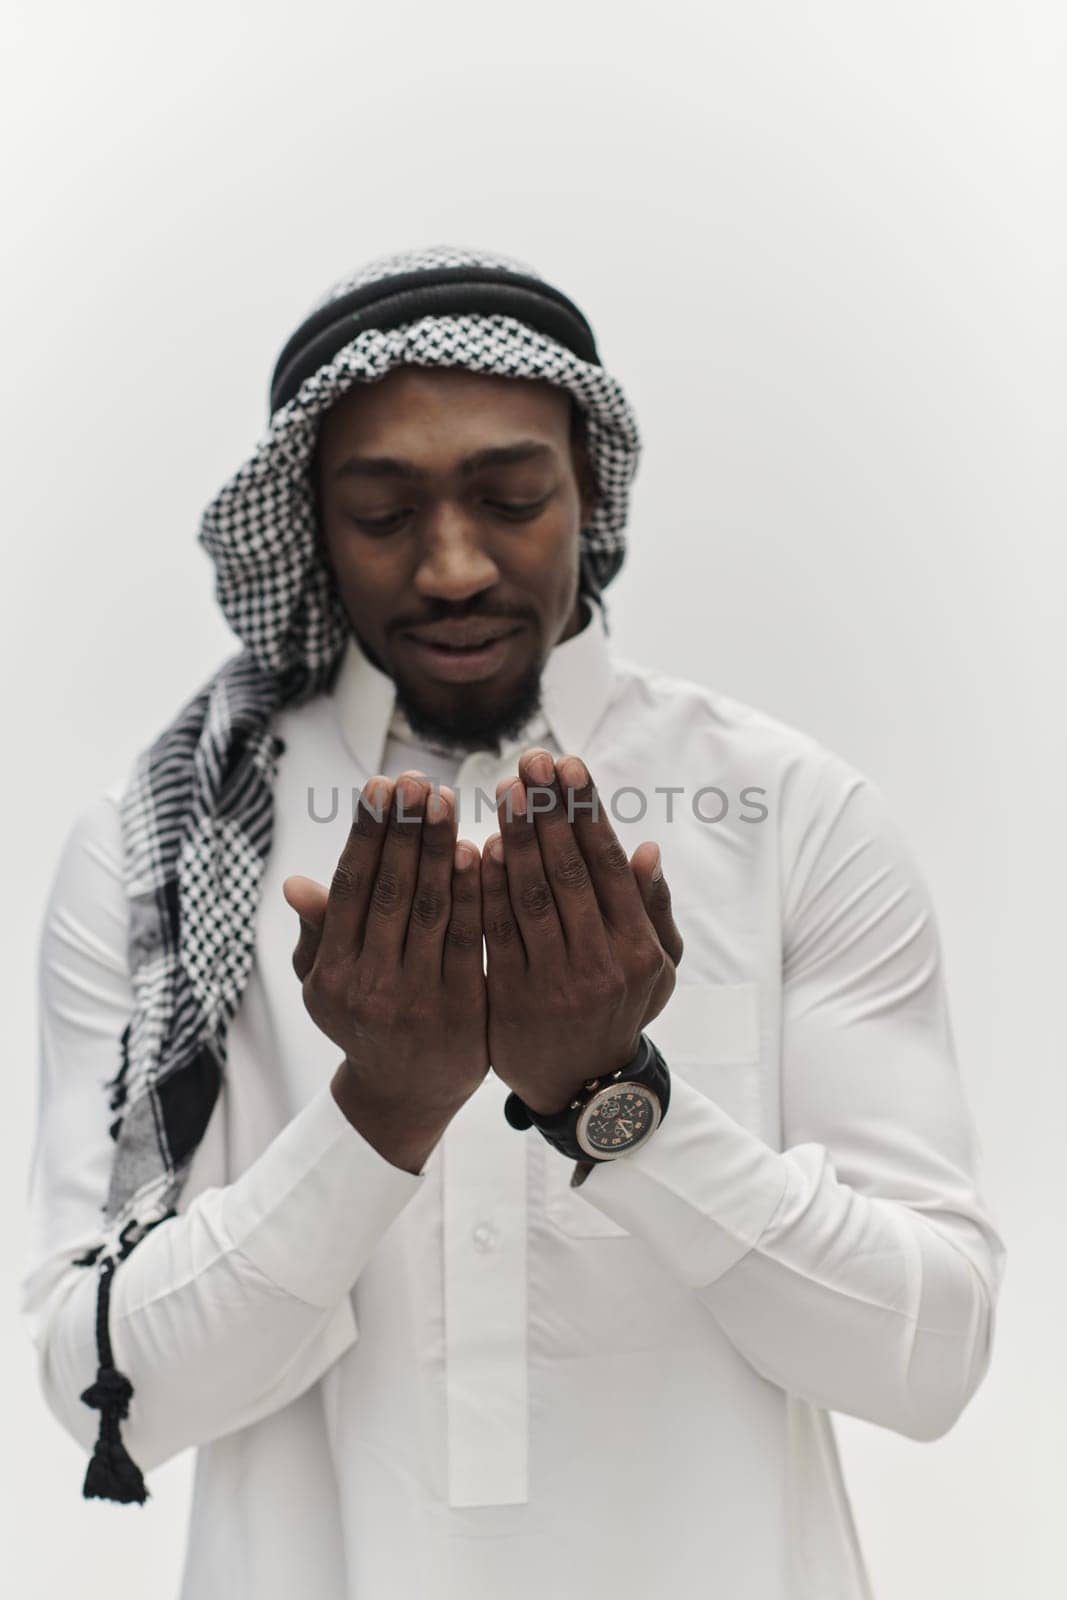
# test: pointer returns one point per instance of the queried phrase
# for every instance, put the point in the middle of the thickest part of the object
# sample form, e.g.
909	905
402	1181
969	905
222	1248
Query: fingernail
574	773
493	848
657	869
464	857
436	809
540	767
408	792
375	794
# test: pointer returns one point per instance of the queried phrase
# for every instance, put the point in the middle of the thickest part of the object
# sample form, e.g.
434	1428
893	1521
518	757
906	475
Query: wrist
619	1059
610	1116
404	1139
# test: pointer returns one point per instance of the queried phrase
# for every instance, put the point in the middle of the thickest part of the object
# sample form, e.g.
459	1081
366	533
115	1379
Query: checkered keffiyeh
197	813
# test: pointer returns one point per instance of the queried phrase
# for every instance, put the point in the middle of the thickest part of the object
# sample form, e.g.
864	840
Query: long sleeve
857	1267
229	1310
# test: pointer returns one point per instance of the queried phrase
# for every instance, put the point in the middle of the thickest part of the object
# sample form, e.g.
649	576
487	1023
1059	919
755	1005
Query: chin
475	715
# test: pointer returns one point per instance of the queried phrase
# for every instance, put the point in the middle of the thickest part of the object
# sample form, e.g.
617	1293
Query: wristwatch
609	1116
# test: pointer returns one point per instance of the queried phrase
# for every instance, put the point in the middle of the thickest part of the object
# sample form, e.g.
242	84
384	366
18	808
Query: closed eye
514	510
519	508
380	524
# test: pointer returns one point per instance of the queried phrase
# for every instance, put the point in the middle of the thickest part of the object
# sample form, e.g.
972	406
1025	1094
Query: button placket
485	1244
485	1236
484	1232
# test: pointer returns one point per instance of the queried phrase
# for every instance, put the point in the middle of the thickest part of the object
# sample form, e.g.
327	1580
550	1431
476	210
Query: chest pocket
709	1034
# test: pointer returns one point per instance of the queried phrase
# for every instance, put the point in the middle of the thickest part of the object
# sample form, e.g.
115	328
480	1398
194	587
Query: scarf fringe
112	1473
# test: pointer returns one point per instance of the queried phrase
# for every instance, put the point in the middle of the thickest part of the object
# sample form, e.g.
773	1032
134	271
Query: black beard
467	726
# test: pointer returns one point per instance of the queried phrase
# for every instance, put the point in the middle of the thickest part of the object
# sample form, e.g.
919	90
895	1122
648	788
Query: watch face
617	1118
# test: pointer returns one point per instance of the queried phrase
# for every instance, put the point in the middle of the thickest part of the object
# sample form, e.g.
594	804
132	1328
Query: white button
485	1236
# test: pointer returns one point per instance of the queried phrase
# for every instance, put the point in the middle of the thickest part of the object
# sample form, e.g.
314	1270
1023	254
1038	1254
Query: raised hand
581	942
391	965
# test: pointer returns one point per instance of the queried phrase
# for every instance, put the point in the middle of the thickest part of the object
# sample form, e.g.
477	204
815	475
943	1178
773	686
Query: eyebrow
495	456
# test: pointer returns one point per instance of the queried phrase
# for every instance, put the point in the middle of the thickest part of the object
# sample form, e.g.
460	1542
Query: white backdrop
823	248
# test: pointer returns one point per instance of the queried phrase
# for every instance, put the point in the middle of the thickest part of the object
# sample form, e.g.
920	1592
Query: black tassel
112	1472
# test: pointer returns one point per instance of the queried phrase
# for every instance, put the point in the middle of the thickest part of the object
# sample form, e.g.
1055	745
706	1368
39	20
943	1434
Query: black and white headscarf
197	812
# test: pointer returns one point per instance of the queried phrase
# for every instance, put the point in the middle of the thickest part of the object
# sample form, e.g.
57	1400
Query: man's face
449	507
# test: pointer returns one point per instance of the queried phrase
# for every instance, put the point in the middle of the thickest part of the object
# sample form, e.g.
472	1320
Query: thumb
657	898
308	900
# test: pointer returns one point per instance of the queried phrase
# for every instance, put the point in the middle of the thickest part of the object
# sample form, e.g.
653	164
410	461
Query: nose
453	561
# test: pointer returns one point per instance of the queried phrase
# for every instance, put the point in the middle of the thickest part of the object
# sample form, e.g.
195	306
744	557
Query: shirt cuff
701	1190
311	1209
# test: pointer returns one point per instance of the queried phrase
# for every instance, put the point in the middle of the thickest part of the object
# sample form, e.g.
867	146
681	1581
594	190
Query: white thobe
479	1379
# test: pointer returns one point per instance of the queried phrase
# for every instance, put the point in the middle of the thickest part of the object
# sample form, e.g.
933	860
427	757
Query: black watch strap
647	1066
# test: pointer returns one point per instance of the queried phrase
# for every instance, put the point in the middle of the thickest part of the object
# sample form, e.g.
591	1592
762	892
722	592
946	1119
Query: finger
307	897
564	864
609	866
462	956
656	896
391	894
350	887
532	901
308	900
431	903
505	954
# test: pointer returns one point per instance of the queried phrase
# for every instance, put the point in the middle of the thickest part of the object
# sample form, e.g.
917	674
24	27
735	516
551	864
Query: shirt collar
576	684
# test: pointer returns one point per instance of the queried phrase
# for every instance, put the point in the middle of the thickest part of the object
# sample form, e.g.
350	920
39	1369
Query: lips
472	635
467	651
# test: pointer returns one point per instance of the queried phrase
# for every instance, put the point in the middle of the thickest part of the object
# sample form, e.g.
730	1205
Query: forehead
413	409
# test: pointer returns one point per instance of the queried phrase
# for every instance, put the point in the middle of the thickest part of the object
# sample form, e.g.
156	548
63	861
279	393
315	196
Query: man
612	1136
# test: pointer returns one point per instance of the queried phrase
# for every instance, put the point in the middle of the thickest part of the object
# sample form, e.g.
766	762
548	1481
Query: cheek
550	550
369	581
548	568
